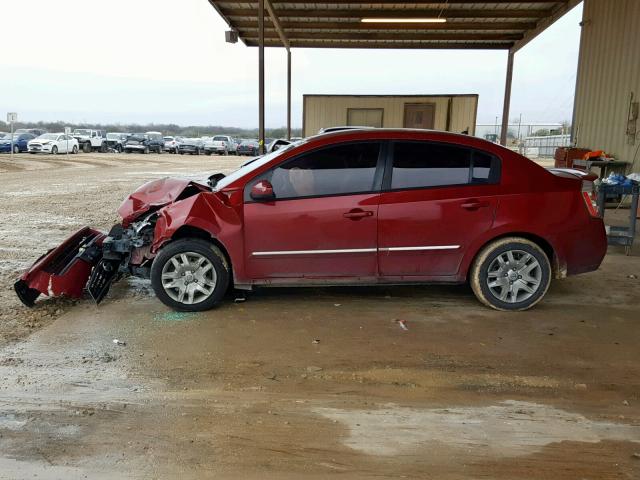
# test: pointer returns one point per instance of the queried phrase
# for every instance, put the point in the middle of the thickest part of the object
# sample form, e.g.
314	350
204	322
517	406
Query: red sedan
369	207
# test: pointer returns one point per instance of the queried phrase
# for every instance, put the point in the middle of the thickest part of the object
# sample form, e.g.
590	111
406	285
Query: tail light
589	196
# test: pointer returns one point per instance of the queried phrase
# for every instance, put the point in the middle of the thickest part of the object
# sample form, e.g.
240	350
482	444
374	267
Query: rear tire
190	275
86	147
510	274
16	149
146	150
74	150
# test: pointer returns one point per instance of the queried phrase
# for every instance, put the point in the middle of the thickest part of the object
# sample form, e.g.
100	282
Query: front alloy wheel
511	274
190	275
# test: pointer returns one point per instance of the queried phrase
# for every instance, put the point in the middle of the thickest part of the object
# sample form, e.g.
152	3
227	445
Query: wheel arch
189	231
558	270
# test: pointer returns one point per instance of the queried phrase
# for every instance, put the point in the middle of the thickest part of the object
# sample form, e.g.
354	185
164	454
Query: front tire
190	275
146	150
54	150
511	274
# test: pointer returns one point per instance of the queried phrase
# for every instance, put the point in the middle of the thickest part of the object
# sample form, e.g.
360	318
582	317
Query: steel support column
261	76
507	100
288	94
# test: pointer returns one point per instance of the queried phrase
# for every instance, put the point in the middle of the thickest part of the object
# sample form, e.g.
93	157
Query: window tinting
482	163
422	164
335	170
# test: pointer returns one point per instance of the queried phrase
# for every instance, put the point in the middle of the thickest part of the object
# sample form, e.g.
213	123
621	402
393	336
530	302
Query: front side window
425	164
337	170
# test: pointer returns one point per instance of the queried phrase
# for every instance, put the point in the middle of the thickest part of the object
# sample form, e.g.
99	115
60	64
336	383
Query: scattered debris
403	324
316	341
625	403
337	304
174	316
636	455
314	369
240	299
580	386
119	342
632	276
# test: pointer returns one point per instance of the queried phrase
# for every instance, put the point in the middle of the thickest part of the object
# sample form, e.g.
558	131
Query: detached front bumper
64	270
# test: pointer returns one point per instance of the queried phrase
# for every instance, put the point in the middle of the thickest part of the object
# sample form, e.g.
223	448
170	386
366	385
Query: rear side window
337	170
425	164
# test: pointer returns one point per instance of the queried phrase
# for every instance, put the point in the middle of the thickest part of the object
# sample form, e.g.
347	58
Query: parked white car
53	143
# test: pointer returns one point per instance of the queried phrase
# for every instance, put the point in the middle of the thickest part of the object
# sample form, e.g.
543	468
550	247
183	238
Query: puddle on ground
509	429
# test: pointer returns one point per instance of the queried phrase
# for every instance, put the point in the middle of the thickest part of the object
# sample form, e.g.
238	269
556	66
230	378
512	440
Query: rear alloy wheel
16	149
511	274
74	150
190	275
54	150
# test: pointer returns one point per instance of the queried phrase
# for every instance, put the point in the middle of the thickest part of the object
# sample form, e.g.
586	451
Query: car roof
390	133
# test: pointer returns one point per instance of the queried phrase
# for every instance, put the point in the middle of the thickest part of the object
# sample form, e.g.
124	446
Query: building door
419	115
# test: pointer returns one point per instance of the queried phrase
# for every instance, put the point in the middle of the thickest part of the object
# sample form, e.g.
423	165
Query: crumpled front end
93	260
63	270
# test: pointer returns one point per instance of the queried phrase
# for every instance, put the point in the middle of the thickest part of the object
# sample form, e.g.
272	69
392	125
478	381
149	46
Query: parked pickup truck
91	140
221	144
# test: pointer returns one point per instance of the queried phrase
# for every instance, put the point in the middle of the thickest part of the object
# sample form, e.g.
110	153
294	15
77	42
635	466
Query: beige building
608	82
454	113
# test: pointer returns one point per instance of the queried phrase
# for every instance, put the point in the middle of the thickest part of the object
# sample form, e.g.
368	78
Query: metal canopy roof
497	24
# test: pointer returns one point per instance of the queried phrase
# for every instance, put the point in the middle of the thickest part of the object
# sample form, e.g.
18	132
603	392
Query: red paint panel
328	223
432	217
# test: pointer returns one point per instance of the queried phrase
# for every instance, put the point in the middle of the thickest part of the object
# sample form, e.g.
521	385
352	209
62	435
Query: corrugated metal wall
608	74
322	111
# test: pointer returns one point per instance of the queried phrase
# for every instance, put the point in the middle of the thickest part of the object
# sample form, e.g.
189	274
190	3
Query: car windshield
80	131
242	171
48	136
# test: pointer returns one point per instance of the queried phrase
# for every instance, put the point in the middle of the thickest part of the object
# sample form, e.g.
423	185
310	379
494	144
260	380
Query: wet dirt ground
308	383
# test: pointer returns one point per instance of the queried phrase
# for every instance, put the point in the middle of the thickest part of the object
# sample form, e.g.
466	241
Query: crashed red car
372	206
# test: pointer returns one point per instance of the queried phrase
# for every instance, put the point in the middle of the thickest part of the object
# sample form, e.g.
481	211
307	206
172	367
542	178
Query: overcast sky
167	61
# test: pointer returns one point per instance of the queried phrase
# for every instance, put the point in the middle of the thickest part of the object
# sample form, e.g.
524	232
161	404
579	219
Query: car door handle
474	204
357	214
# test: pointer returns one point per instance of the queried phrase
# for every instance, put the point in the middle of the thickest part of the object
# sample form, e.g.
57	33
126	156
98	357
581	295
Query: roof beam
276	23
418	36
387	44
394	13
377	2
337	26
545	23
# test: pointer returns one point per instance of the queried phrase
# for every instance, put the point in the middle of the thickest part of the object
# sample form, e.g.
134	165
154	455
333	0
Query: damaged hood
156	194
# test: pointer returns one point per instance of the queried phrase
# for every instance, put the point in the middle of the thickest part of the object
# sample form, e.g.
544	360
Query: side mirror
262	191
